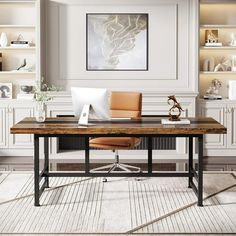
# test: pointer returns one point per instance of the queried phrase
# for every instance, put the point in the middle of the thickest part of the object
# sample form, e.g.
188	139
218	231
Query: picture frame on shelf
212	38
5	90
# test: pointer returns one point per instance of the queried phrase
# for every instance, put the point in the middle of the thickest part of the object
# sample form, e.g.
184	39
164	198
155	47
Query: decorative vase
40	112
3	39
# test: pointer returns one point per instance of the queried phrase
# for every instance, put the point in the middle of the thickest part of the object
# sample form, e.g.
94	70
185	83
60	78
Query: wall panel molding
177	37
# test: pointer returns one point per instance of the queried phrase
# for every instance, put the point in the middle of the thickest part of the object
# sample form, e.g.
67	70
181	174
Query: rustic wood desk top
145	126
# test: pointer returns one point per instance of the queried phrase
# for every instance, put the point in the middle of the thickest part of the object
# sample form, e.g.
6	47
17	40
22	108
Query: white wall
173	45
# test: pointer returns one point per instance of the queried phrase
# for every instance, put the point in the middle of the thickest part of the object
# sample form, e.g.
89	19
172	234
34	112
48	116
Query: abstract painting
117	41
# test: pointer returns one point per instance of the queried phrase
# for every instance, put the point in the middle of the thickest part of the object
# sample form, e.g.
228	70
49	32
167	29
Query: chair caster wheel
137	179
104	180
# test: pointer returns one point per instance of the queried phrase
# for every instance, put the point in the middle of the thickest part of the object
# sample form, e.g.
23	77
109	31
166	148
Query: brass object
175	110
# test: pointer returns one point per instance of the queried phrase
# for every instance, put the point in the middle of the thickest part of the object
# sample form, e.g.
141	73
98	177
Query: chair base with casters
117	166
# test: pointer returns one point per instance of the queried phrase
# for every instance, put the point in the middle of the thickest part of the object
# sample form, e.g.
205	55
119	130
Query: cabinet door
3	125
218	113
17	112
231	126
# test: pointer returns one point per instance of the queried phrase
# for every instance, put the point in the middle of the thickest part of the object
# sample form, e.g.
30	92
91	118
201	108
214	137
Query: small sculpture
213	91
233	40
20	38
209	64
224	65
3	39
23	65
175	110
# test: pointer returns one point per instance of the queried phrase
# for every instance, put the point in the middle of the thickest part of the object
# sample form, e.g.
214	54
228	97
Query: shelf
15	48
218	48
217	73
217	26
18	1
17	26
16	72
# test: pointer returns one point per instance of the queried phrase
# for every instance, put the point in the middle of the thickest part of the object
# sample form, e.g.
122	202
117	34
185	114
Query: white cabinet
231	125
16	113
10	113
3	140
224	111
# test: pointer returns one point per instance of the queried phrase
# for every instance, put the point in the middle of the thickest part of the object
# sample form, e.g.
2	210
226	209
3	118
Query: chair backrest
126	104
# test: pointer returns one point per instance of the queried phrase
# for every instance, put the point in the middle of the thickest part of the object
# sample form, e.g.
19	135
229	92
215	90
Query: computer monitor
90	103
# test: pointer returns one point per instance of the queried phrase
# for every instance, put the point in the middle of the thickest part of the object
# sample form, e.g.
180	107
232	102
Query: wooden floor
120	206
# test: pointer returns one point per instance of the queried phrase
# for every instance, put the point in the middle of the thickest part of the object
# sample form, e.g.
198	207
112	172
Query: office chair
122	105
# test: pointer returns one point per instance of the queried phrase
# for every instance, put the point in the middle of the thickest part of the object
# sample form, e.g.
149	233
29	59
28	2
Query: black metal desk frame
192	173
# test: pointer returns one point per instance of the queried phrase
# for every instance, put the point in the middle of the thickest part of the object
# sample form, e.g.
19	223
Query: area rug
123	206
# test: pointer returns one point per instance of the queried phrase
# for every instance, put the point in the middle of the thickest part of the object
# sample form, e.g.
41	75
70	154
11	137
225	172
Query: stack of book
178	122
20	44
213	44
25	96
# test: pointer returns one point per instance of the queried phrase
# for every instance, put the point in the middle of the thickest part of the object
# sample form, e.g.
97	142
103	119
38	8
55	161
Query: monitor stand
84	117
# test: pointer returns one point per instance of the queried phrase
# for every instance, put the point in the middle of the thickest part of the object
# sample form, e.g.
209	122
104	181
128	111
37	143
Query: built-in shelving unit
221	16
19	18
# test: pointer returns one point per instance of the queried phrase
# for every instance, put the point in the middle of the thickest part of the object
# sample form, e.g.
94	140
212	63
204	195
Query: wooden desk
145	127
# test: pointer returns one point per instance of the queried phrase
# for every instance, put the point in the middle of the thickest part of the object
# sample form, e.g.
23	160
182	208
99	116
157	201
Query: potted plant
41	96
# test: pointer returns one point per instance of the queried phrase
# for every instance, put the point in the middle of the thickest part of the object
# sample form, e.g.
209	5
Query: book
213	44
20	45
179	122
20	42
25	96
212	97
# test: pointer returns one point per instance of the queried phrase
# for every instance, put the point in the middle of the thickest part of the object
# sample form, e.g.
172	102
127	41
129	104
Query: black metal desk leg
200	170
46	162
149	155
36	170
190	161
86	155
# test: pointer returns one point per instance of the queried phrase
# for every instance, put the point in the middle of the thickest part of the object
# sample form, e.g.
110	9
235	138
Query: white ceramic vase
3	39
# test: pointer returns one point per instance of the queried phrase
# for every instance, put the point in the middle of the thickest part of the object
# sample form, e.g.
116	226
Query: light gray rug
122	205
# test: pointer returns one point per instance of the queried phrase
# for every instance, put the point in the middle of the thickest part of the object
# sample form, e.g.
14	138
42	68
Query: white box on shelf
25	96
232	89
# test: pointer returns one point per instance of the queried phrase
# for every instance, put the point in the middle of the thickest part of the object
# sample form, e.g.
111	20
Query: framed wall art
116	41
5	90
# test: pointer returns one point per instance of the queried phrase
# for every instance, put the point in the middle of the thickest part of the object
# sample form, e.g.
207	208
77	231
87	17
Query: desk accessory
175	110
174	113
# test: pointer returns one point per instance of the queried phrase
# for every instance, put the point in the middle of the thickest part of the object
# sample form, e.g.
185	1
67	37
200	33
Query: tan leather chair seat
114	142
123	104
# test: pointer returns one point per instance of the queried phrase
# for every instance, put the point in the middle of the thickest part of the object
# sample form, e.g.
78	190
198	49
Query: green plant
42	91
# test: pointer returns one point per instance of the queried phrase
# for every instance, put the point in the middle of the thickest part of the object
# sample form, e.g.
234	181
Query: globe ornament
175	110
